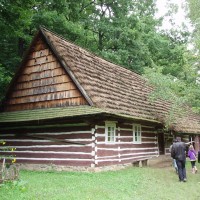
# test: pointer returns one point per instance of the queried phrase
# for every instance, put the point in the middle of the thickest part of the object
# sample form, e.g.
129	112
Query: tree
122	31
15	20
5	78
194	16
175	79
178	91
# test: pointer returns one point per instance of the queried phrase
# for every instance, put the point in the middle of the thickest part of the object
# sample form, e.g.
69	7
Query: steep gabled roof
112	88
42	79
108	85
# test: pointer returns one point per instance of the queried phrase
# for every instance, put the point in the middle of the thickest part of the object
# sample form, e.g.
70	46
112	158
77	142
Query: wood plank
46	104
45	97
43	90
41	75
42	82
67	162
50	155
41	60
42	52
41	67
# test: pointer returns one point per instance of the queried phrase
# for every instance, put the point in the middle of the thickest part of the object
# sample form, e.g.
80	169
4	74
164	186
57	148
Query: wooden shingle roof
113	88
108	85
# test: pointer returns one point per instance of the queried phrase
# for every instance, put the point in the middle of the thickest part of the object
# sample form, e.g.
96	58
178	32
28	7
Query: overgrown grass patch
132	183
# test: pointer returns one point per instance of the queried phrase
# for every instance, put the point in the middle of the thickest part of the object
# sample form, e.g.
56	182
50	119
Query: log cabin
68	107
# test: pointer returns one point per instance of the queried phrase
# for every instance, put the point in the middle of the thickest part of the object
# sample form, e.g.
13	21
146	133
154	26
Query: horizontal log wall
52	149
124	150
95	153
43	83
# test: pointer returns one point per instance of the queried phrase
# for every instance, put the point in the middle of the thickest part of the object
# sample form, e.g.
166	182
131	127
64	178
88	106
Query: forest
125	32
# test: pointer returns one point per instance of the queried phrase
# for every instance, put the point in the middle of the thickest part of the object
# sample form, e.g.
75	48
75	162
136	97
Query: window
137	133
110	131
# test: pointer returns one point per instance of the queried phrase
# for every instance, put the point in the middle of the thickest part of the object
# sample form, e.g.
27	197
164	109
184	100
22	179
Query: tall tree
15	19
14	25
194	15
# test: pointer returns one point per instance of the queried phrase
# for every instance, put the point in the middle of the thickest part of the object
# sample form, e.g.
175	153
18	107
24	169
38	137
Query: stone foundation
39	167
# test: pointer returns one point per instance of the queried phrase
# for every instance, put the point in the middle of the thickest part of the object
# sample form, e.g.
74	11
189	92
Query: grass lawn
131	183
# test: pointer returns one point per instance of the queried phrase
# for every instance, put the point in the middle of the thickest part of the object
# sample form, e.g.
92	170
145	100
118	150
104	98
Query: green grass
131	183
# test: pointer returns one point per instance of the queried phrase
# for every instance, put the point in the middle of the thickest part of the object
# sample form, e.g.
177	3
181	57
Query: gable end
42	82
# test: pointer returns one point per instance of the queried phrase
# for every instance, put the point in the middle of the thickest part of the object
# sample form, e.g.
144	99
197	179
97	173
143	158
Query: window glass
110	130
137	133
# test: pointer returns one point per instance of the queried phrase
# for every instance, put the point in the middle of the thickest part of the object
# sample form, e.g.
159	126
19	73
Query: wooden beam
44	126
54	140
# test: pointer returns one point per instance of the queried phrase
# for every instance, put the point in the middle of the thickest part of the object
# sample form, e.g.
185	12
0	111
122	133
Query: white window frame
110	138
137	134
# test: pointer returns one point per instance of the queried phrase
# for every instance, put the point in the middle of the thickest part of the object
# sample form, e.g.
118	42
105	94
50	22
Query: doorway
161	143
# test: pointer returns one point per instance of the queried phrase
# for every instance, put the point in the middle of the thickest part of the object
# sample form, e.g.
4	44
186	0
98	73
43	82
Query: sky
179	18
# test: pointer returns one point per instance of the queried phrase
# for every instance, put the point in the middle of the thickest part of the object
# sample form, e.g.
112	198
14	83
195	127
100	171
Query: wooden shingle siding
43	83
40	96
47	104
